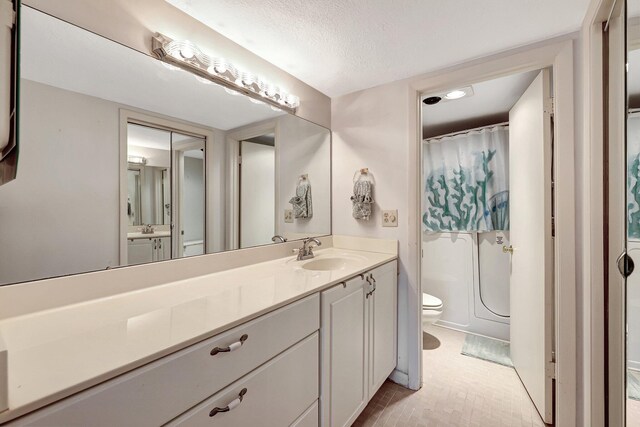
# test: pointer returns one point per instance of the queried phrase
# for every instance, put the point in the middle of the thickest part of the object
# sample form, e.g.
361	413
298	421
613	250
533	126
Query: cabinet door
164	248
383	314
344	353
140	251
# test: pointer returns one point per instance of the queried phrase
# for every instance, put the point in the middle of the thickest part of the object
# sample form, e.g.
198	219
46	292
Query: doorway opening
487	241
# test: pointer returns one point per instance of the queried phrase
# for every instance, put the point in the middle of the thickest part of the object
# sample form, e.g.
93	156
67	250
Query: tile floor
633	412
458	391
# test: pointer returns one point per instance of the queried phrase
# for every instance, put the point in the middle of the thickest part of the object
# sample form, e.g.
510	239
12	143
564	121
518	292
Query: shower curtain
466	184
633	176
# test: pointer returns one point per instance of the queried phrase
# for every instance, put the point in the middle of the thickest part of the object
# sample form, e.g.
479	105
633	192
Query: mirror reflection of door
166	194
189	166
257	190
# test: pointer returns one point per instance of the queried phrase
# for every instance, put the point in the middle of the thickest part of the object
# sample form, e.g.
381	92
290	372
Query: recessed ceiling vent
432	100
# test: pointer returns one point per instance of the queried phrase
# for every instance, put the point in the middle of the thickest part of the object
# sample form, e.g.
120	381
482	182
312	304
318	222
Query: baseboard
633	365
399	378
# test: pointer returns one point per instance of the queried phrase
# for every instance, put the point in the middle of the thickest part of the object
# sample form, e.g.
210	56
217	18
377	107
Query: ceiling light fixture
189	57
455	94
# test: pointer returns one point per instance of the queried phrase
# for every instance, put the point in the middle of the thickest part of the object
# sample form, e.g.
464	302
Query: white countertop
141	235
58	352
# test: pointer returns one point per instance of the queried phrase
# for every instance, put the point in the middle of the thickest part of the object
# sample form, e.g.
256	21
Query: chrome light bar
187	56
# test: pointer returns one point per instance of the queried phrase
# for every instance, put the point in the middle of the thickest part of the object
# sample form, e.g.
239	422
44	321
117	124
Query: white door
344	331
531	278
257	194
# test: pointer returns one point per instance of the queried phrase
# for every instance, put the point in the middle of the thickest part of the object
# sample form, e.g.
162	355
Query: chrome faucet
279	238
306	251
147	229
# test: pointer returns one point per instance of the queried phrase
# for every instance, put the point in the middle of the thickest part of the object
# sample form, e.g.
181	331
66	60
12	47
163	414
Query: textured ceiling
342	46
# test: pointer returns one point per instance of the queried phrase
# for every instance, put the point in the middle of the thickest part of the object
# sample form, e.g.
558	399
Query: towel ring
363	174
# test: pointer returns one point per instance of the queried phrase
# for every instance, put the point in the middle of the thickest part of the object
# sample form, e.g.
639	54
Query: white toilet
431	310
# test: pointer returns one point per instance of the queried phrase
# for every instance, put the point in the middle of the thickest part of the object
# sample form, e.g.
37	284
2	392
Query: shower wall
470	274
633	309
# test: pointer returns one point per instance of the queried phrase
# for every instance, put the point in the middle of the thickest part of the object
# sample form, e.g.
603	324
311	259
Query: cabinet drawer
273	395
309	418
158	392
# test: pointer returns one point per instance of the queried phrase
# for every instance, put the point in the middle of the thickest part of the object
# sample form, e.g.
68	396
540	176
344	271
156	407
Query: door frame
557	54
595	232
170	124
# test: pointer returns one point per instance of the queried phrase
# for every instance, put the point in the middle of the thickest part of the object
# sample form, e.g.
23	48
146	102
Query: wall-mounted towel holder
363	175
362	198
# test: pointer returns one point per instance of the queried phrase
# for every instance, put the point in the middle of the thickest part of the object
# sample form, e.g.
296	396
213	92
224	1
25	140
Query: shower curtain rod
465	131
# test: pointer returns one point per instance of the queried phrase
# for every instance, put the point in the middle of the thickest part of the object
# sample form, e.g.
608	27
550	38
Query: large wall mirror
126	160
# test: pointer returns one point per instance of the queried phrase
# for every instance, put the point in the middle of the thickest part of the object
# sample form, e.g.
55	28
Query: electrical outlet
288	215
390	218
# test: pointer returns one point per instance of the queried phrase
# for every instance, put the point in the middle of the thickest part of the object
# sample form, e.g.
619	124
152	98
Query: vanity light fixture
186	55
138	160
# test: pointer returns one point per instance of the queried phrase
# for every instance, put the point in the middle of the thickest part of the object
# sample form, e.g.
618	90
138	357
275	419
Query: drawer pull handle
236	345
235	402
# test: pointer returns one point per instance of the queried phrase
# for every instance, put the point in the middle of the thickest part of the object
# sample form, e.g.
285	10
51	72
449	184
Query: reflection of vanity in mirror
128	160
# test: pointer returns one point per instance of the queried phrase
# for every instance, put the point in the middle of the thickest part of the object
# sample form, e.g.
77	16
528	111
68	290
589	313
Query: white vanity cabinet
359	342
143	250
315	361
279	352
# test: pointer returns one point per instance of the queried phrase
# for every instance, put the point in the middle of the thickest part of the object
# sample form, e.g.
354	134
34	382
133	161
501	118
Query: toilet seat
429	302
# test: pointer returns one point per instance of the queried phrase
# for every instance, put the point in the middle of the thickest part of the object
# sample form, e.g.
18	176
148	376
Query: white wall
374	128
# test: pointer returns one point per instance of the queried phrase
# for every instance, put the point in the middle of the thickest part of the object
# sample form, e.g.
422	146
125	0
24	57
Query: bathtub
470	274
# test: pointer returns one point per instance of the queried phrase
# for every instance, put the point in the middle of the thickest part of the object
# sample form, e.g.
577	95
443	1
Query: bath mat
488	349
633	384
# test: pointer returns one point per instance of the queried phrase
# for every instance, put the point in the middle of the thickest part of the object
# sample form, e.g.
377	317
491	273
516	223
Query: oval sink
325	264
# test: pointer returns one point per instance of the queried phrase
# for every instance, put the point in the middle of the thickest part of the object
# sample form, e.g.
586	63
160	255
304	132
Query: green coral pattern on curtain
466	197
633	207
633	176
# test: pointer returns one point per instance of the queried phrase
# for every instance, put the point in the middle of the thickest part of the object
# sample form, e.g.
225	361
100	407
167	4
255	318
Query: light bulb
187	50
292	101
455	94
